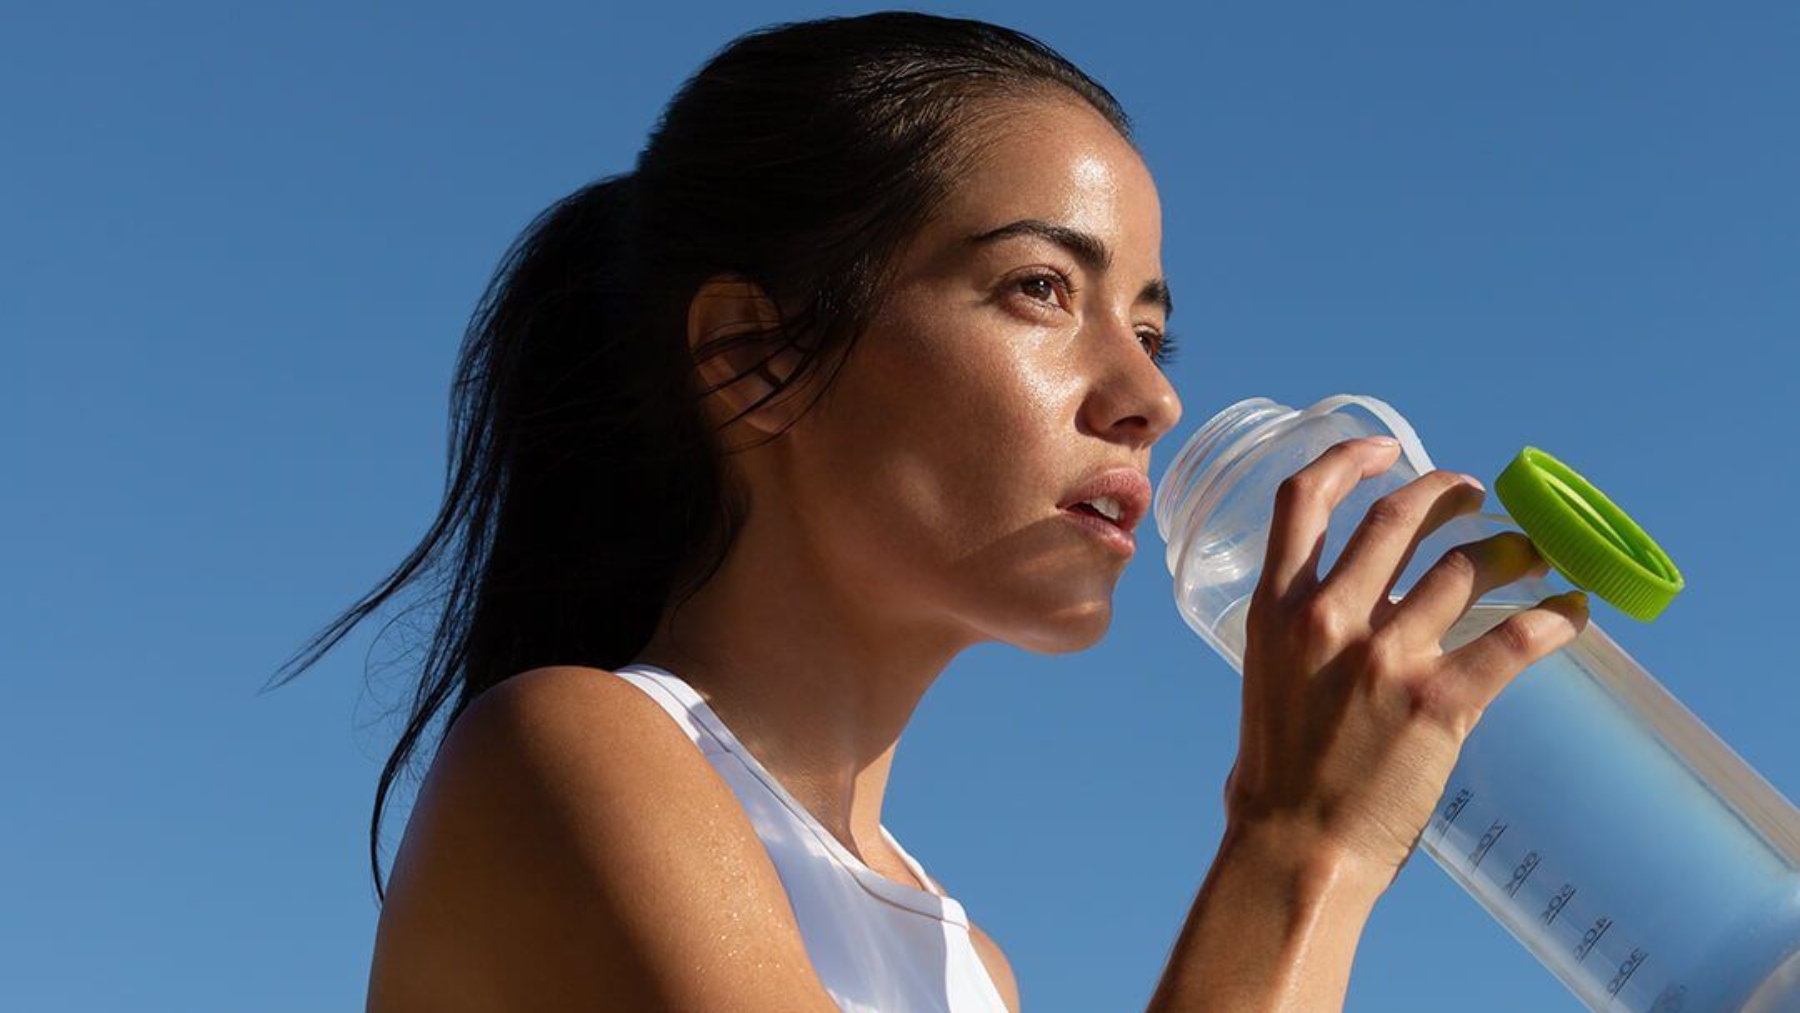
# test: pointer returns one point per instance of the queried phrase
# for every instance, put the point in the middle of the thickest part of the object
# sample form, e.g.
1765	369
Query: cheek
932	489
980	384
939	454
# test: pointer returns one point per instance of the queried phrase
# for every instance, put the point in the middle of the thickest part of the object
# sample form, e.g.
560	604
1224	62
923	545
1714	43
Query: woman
859	367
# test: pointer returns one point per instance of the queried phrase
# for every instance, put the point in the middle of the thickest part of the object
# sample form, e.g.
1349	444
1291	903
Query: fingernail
1578	598
1383	441
1472	480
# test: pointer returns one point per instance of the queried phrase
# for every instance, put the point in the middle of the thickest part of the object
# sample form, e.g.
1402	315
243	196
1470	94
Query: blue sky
241	242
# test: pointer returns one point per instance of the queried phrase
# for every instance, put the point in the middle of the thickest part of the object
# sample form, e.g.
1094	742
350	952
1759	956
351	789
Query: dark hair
801	157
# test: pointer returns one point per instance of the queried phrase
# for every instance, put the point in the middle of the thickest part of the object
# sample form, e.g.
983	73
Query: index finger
1303	506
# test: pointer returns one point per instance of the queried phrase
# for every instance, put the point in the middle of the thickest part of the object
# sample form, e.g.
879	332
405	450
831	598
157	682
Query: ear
728	305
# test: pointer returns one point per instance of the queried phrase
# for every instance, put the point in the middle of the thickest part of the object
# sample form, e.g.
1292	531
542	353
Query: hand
1353	714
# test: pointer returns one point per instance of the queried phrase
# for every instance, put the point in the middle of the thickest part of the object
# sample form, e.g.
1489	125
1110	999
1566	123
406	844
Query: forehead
1057	160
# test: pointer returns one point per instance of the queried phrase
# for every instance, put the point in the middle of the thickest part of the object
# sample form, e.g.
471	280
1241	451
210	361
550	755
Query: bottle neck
1207	463
1210	452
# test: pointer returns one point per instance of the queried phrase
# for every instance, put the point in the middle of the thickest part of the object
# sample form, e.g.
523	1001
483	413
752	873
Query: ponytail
580	488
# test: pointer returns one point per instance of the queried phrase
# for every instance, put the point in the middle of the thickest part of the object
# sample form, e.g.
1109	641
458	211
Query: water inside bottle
1626	846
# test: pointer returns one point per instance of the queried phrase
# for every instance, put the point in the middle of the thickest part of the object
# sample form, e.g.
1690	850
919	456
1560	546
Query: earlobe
733	326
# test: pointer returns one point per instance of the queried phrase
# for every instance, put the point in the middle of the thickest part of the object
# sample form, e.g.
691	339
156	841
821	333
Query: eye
1042	286
1160	345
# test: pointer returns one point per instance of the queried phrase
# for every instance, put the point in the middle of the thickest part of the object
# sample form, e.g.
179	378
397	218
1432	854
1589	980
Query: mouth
1105	529
1110	504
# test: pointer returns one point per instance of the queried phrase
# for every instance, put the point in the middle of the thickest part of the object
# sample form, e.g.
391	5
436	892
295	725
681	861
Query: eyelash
1164	351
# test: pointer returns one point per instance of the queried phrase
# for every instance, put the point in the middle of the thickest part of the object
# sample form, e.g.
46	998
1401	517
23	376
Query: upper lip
1129	486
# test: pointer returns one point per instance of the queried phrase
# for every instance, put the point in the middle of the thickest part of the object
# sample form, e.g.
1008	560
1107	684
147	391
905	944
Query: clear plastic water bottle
1614	835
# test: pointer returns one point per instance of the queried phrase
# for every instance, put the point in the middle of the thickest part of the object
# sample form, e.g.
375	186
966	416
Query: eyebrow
1088	248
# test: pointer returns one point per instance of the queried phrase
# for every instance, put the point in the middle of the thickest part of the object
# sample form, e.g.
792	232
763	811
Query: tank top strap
913	863
679	700
704	727
863	932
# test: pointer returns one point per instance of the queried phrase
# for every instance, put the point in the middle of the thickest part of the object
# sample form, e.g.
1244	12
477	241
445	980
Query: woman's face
934	477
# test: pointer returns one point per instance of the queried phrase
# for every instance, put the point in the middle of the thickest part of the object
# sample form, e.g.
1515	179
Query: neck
817	680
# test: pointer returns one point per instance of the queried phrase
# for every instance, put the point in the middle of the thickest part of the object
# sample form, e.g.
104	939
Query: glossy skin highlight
928	480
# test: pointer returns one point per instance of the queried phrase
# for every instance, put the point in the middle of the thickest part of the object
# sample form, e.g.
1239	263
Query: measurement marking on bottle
1591	937
1520	872
1557	903
1453	809
1627	968
1486	844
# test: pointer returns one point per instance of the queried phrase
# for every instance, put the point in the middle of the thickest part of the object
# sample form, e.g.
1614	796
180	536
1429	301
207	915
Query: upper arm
572	849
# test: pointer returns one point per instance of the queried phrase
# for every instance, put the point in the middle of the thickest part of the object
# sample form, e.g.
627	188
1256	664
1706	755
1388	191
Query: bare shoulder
571	848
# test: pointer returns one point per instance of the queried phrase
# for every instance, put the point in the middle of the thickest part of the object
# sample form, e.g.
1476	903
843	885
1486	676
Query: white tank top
878	945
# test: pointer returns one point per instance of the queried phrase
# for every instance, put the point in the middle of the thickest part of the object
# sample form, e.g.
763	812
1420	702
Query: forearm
1273	930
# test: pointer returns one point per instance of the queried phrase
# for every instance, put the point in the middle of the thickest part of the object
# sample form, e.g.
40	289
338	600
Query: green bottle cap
1585	536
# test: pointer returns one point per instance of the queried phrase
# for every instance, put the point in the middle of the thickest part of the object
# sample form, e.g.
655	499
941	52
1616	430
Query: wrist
1318	871
1275	926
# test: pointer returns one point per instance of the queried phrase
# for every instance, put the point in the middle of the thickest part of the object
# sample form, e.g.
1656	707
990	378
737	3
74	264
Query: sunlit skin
915	510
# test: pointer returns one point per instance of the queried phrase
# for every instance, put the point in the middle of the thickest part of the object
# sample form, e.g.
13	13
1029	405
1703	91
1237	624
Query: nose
1130	399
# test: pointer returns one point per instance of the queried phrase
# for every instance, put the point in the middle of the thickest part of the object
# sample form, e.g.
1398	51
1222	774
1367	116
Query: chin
1068	630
